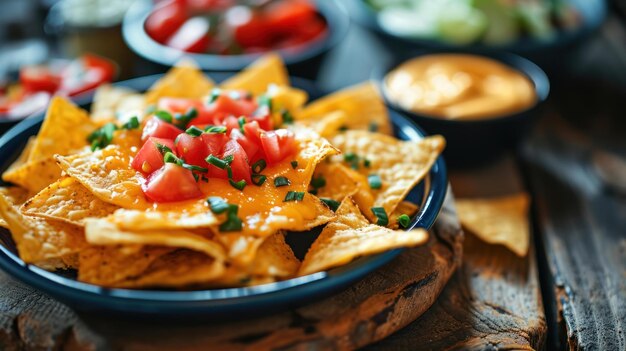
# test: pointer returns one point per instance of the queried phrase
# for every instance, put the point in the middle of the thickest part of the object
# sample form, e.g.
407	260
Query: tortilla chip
399	164
275	258
269	69
327	125
110	100
362	104
501	220
201	217
54	136
22	159
185	80
108	265
287	98
16	196
39	241
404	208
339	184
352	236
67	200
108	175
103	232
177	269
34	175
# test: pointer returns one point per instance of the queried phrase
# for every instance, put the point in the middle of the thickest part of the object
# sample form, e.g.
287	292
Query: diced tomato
149	158
165	20
209	5
214	142
181	105
231	123
250	147
39	78
171	183
235	107
304	33
249	27
192	36
278	144
86	73
158	128
284	16
239	166
264	117
103	65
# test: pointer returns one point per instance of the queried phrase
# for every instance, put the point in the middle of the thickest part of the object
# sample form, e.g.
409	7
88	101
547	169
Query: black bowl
303	61
475	142
593	14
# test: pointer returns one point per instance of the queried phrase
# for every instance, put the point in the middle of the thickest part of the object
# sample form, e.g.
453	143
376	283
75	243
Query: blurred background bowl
303	60
479	141
592	14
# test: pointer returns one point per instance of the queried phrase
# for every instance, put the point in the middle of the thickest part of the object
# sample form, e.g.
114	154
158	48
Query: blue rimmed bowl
215	303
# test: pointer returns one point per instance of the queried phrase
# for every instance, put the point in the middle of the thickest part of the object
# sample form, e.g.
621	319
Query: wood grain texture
494	299
368	311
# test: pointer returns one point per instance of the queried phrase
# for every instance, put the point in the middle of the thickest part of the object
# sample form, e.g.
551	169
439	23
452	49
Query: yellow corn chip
362	104
352	236
327	125
185	80
16	196
54	136
269	69
338	182
109	101
43	242
34	175
200	217
103	232
275	258
178	269
399	164
287	98
502	220
108	265
23	157
404	208
67	200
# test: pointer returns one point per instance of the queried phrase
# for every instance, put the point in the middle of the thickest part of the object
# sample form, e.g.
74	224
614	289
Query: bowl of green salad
521	26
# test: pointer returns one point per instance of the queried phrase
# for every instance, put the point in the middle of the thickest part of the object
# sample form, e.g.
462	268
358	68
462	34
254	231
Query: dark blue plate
215	303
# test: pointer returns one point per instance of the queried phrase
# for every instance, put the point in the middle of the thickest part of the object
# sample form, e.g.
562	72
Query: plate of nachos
183	194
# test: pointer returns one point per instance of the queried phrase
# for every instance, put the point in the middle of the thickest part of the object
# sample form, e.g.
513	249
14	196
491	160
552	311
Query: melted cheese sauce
455	86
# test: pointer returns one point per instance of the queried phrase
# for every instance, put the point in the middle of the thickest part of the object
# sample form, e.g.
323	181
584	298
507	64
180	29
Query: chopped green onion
229	159
287	117
232	223
163	149
373	127
205	179
404	220
380	213
215	129
259	166
238	185
350	156
294	196
367	163
217	204
294	164
258	179
194	131
313	191
281	181
184	119
332	204
215	93
216	161
171	158
374	181
229	171
241	121
102	137
265	100
133	123
164	116
343	128
195	168
195	176
318	182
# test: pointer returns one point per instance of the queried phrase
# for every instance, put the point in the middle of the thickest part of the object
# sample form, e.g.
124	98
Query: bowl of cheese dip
483	105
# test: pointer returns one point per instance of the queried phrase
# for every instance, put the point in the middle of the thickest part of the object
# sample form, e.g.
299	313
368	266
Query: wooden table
570	292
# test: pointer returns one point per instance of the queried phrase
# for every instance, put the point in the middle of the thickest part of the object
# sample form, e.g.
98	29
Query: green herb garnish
194	131
163	149
215	129
102	137
217	162
380	213
195	168
294	196
373	127
242	122
238	185
281	181
133	123
287	117
294	164
232	223
259	166
265	100
332	204
404	220
164	116
374	181
258	179
318	182
171	158
215	93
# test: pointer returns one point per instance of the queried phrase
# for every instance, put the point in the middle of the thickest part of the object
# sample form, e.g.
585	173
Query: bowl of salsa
227	35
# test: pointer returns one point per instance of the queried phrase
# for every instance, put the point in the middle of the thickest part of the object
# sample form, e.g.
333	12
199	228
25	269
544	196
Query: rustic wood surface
368	311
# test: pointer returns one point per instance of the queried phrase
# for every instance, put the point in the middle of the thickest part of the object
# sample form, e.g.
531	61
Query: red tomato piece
171	183
249	27
214	142
39	78
209	5
264	118
231	123
192	36
149	158
158	128
249	146
239	166
86	73
278	144
192	149
165	20
285	16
